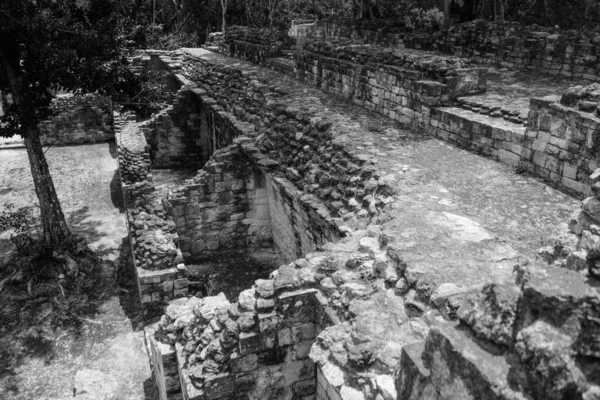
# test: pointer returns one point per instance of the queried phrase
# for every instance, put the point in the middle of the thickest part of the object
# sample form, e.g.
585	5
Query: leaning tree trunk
54	225
55	229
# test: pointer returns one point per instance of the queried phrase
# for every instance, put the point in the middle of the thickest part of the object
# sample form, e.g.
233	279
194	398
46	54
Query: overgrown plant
21	223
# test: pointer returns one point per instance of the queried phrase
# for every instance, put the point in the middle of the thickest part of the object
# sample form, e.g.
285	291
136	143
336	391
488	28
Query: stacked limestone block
495	138
402	85
160	272
78	120
342	309
134	154
585	223
562	138
533	340
224	208
301	145
254	44
173	139
566	52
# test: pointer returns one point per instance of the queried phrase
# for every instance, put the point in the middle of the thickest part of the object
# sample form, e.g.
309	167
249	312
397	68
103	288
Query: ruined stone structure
549	50
372	291
78	120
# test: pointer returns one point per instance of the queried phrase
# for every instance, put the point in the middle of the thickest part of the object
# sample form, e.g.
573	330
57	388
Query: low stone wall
403	86
78	120
562	144
554	51
495	138
253	44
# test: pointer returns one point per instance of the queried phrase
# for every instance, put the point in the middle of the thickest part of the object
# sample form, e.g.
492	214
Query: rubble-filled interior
335	254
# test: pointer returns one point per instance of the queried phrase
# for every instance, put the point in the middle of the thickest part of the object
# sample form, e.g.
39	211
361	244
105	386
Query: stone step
494	137
495	107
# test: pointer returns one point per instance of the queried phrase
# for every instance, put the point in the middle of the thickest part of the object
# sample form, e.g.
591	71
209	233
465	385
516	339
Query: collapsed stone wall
373	334
403	86
78	120
300	147
254	44
566	52
158	262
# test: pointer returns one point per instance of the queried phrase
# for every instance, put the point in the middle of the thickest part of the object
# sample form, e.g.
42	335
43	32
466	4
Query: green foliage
49	45
21	223
567	14
421	20
151	97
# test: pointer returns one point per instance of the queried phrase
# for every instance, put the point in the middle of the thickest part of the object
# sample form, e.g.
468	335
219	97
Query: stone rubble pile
586	99
254	44
434	65
293	141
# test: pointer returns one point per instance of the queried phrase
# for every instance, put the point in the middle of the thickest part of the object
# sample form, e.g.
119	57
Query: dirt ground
106	356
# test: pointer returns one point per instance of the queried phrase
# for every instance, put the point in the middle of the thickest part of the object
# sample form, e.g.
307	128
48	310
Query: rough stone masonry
383	293
362	318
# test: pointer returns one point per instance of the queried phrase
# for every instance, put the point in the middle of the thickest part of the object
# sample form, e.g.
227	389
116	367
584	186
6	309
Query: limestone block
252	342
460	369
219	386
491	313
297	307
302	332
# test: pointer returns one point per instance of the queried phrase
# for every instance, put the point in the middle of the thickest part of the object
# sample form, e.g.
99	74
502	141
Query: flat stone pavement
108	356
456	217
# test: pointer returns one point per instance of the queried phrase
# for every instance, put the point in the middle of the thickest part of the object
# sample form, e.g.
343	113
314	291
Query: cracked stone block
563	299
491	313
545	354
460	369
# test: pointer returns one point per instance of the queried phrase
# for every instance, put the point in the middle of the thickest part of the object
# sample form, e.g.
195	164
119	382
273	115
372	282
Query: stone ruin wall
158	262
257	347
554	51
78	120
253	44
403	87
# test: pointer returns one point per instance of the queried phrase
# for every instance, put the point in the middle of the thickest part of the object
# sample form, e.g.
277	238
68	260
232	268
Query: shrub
22	224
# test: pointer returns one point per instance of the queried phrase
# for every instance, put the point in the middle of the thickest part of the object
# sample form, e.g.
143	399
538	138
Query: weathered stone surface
95	385
491	313
546	356
460	369
247	300
412	377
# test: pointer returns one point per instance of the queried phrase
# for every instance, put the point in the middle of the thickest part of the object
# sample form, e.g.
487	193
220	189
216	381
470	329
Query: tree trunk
54	225
500	17
224	9
447	13
55	229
